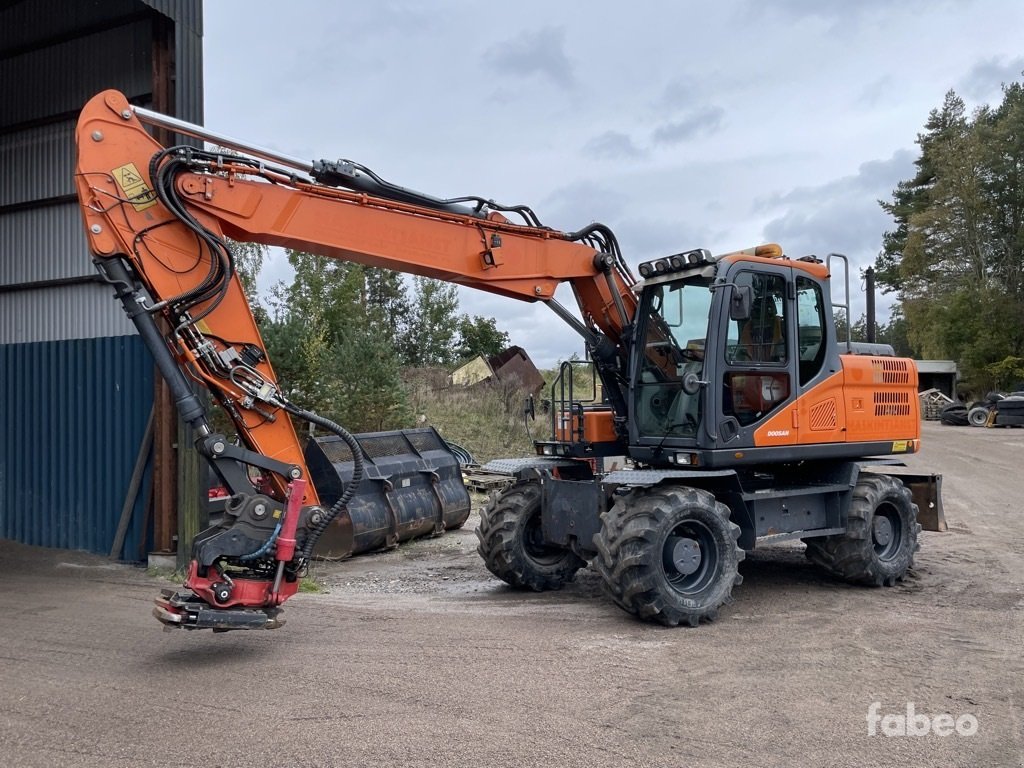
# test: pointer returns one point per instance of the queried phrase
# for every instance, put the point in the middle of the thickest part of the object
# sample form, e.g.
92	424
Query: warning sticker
134	186
900	446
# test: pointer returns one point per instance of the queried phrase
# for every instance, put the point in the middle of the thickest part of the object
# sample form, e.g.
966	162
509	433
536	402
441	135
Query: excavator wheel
512	542
881	535
669	555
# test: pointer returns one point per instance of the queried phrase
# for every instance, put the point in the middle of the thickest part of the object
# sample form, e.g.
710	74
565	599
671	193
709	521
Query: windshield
675	329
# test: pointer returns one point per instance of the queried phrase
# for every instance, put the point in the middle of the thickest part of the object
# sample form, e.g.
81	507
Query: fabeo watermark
913	724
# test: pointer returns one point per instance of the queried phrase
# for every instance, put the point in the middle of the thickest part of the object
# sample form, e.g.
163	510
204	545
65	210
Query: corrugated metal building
76	383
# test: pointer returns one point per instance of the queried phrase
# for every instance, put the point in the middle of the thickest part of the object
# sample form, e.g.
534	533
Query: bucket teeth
184	610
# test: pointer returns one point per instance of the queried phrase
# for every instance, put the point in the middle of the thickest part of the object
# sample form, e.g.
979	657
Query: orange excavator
744	418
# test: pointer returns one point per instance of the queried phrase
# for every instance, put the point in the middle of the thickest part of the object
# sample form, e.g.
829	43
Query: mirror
740	302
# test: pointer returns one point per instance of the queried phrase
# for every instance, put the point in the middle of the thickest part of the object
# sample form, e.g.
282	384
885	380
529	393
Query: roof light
769	251
677	262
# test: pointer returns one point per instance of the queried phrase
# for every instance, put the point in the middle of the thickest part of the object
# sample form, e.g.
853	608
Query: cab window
811	341
761	338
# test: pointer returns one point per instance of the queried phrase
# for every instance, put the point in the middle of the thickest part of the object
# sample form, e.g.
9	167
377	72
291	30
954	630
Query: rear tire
669	555
881	536
512	543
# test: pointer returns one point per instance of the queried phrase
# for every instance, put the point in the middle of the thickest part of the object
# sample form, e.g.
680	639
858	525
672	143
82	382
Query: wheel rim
887	532
690	557
534	546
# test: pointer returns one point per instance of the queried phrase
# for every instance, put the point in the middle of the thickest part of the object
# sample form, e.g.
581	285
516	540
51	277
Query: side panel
72	417
881	396
872	399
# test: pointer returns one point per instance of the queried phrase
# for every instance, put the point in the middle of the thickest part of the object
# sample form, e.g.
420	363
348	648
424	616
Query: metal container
411	487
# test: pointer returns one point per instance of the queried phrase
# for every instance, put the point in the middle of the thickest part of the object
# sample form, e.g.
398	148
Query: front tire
881	536
669	555
512	543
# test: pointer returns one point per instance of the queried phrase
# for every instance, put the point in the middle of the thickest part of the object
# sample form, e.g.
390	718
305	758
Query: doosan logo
778	433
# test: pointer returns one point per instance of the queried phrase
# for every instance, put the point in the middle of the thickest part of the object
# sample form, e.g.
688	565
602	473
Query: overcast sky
678	124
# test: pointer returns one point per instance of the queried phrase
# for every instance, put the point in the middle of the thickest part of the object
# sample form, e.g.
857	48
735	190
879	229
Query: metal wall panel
32	24
76	383
45	243
38	163
72	417
189	57
83	311
75	70
187	13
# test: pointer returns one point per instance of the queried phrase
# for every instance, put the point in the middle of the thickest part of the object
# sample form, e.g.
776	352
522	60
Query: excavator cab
731	351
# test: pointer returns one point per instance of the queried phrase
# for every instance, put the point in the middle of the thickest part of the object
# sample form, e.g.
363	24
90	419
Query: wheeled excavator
744	419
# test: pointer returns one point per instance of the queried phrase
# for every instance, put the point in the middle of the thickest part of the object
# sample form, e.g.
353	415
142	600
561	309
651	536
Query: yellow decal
277	514
134	186
900	446
203	328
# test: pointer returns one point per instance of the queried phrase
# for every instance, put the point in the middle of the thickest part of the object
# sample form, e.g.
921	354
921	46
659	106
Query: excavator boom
157	221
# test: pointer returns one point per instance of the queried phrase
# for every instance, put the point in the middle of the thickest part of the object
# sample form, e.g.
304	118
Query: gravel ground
417	657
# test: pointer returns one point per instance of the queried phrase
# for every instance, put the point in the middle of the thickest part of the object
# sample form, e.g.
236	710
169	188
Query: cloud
613	145
539	52
841	216
679	92
876	91
575	205
838	12
699	123
984	78
648	237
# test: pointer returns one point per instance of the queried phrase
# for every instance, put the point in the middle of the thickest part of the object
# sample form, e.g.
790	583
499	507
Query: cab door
758	364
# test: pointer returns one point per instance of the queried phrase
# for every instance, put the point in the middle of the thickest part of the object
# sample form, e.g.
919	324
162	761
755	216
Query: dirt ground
416	657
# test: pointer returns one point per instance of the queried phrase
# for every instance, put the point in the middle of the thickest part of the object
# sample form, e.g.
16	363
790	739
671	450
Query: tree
340	334
249	259
431	337
956	254
387	298
331	346
480	336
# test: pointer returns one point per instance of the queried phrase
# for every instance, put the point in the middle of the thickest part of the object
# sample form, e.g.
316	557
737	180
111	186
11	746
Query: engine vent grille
823	416
890	370
892	404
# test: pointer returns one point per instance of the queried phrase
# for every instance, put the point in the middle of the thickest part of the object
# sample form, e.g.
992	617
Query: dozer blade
184	610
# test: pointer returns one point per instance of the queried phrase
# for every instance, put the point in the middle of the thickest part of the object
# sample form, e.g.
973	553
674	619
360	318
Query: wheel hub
685	554
881	530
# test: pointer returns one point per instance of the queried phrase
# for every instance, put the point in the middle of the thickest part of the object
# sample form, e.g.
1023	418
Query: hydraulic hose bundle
164	168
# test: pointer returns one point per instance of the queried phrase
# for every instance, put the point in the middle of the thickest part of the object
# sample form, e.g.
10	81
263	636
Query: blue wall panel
72	417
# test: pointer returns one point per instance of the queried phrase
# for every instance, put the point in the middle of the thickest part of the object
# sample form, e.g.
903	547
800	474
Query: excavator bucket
411	487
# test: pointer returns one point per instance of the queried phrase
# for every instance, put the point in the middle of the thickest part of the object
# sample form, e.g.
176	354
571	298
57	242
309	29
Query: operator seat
762	338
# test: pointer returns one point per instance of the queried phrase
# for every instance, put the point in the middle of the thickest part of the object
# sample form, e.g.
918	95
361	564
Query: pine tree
956	254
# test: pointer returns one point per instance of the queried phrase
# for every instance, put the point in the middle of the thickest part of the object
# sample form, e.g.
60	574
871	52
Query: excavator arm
157	221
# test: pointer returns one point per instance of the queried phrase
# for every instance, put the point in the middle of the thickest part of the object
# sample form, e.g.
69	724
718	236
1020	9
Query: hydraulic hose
317	529
265	548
